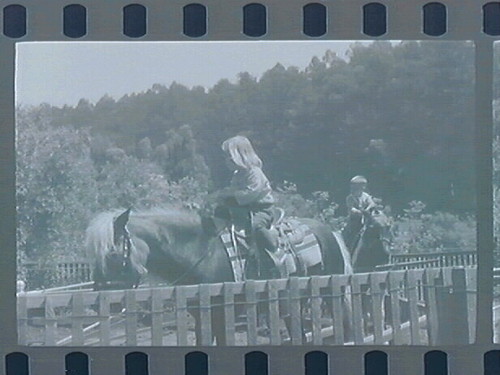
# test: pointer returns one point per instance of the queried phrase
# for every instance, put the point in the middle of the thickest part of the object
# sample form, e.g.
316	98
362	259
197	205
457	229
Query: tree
56	188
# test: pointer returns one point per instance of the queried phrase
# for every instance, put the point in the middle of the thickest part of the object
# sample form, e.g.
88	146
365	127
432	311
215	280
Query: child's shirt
361	202
251	186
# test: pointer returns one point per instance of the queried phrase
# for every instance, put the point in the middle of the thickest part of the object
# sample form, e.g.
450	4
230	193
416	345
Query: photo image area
245	193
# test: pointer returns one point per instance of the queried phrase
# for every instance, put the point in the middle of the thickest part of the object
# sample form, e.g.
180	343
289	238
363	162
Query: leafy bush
319	206
419	232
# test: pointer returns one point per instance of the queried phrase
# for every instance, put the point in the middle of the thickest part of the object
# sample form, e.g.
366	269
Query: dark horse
173	245
371	249
372	244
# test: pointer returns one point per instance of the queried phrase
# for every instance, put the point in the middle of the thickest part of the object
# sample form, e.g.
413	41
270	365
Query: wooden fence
62	273
71	271
432	306
437	259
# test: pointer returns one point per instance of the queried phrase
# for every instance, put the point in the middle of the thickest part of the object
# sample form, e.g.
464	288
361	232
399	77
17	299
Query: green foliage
56	188
418	232
319	205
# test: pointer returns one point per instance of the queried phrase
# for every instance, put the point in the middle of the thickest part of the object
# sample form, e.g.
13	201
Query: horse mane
100	232
99	239
180	216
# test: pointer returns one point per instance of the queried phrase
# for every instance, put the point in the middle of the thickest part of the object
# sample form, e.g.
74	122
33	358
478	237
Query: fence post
205	314
22	319
251	307
274	312
105	316
335	285
156	317
471	281
50	322
394	281
181	316
377	299
413	277
130	317
452	309
229	318
78	308
316	310
357	307
431	297
295	311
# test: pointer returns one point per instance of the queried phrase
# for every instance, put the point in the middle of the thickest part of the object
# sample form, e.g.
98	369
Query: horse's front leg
218	331
195	313
218	323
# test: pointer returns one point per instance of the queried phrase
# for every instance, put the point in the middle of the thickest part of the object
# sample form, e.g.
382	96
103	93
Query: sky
61	73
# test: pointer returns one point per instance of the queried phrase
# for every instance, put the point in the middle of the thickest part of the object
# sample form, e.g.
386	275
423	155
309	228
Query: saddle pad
308	250
237	261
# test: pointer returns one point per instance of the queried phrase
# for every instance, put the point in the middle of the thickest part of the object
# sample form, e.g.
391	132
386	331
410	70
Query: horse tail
99	239
346	255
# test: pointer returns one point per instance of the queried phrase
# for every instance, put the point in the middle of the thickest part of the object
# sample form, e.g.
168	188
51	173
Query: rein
193	267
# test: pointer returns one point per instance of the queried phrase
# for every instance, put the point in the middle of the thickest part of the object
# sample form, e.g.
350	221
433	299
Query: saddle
296	239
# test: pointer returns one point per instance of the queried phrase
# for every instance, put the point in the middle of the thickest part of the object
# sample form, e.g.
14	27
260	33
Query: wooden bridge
417	307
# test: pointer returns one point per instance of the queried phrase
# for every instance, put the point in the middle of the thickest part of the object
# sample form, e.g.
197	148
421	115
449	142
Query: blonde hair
241	152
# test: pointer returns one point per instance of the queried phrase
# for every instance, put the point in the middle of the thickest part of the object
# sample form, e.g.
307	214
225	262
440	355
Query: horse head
111	246
373	247
379	225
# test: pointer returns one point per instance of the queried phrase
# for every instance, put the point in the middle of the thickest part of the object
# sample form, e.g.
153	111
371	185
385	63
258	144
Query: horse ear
122	220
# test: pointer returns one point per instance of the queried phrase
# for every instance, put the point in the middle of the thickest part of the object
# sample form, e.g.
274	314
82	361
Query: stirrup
278	256
279	259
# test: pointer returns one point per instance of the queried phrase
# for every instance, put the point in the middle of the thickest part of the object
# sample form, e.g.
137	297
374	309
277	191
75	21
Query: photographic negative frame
404	22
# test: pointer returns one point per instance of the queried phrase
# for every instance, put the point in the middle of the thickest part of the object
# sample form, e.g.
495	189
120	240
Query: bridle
126	251
126	247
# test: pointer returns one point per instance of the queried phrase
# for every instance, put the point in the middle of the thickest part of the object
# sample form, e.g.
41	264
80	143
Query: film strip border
213	19
226	361
241	20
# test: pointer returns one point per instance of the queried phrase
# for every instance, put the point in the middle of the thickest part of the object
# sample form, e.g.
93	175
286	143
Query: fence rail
62	273
71	271
437	259
399	307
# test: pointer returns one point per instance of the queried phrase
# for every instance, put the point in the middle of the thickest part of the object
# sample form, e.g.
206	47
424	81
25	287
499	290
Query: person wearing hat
358	203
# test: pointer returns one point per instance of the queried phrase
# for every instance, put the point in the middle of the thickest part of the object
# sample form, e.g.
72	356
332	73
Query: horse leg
287	318
195	313
218	325
284	308
366	307
386	310
263	319
347	319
